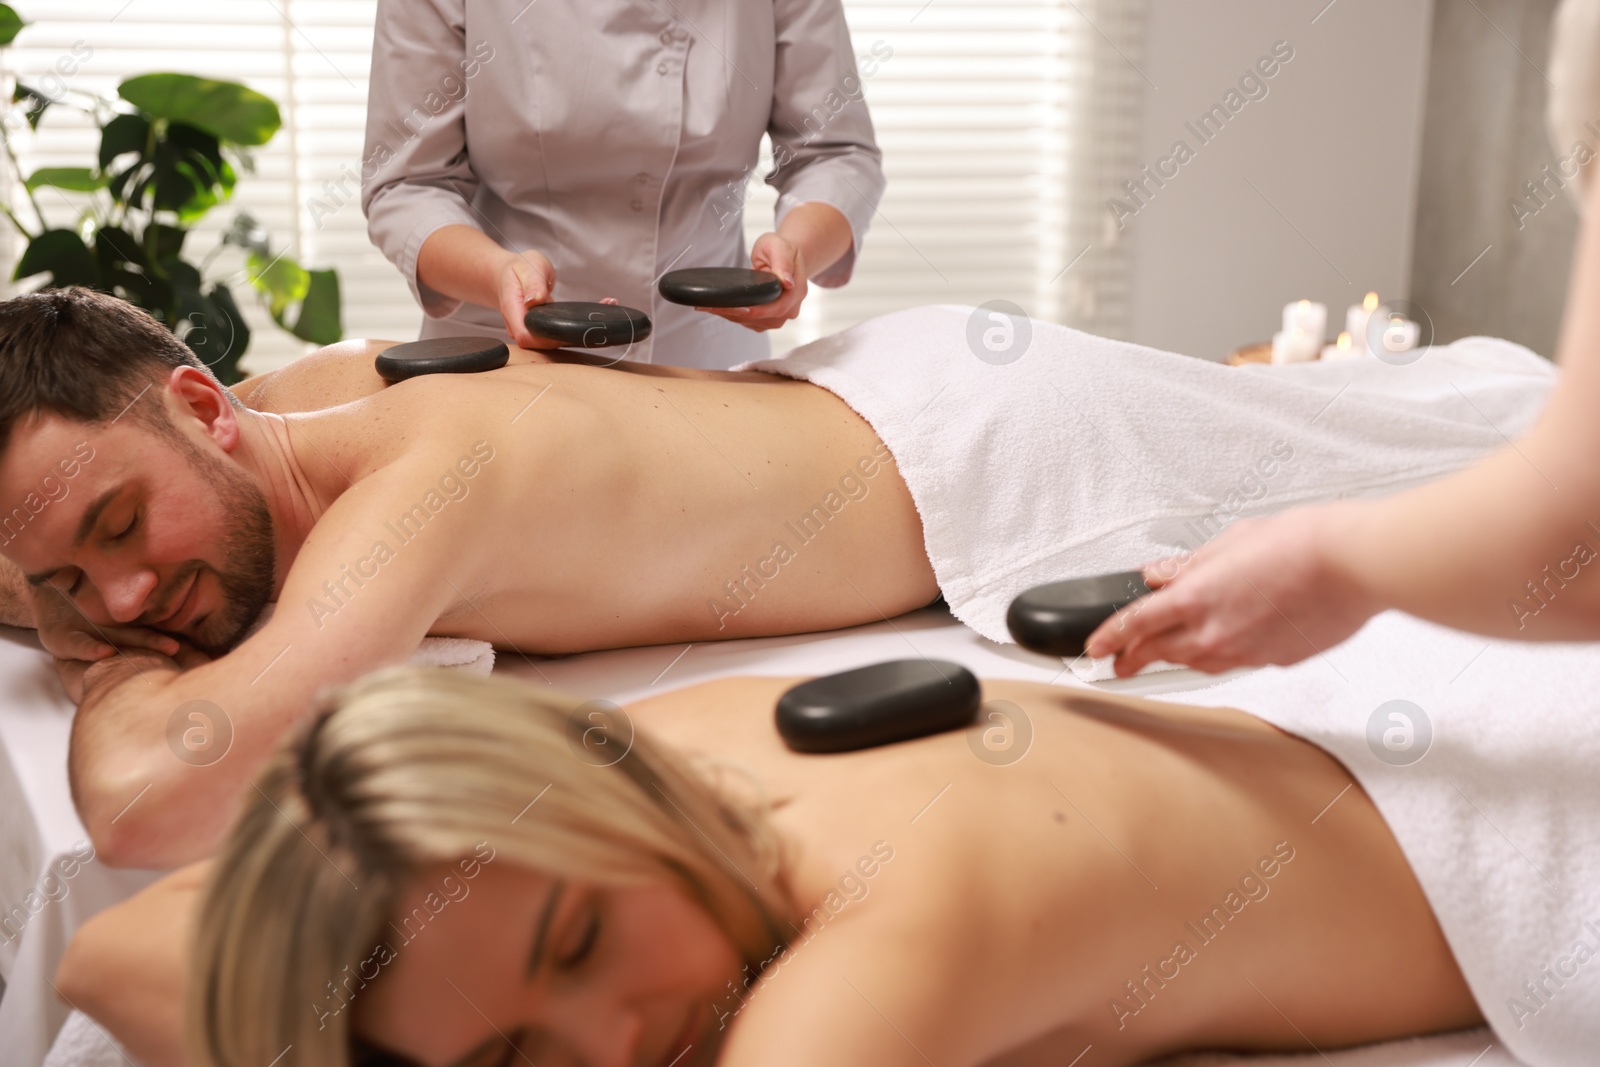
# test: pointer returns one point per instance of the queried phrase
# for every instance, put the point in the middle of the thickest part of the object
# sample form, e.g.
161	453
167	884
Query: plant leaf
74	179
280	279
247	233
114	246
168	240
64	255
224	109
187	173
36	103
215	331
319	320
125	133
10	24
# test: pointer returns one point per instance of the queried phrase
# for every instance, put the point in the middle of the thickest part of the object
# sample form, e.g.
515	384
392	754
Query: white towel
1088	455
1500	816
82	1043
466	653
1105	668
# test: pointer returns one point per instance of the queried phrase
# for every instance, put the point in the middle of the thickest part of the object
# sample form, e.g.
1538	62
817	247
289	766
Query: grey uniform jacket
614	136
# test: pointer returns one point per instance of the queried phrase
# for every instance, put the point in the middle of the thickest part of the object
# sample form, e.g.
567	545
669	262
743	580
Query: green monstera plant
171	148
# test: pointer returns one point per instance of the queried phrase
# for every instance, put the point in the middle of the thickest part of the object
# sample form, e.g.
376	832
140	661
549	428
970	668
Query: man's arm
160	758
127	967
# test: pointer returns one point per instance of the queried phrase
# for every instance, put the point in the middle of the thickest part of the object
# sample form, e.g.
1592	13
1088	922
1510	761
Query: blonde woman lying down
448	870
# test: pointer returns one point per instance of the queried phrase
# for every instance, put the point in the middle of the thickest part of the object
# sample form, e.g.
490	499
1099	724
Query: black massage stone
878	705
588	325
1058	618
441	355
720	287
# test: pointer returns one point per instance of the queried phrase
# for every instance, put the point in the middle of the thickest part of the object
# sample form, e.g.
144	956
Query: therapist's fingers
766	316
526	280
1263	592
1162	571
1137	621
778	255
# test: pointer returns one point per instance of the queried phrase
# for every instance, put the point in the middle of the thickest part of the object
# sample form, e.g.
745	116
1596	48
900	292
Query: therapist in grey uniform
523	152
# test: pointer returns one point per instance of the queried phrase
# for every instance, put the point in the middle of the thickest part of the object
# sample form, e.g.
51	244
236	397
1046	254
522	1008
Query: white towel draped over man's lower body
1087	455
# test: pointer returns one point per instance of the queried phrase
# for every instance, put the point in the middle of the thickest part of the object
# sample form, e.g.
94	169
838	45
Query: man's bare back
549	507
629	509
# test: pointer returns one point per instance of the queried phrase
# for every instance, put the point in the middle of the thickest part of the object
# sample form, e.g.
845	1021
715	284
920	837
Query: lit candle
1294	346
1400	335
1356	319
1308	317
1343	348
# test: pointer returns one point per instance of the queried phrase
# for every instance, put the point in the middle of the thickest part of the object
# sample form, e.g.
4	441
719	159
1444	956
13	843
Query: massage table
40	826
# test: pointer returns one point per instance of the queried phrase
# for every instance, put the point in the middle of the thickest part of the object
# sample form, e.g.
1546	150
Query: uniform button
637	205
661	68
666	36
643	177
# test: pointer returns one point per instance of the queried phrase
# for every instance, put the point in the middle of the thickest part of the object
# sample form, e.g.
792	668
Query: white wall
1334	147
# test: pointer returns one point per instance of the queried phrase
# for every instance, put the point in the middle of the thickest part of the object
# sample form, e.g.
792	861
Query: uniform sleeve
416	175
822	142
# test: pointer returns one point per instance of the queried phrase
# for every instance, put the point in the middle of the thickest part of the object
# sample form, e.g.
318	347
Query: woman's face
524	969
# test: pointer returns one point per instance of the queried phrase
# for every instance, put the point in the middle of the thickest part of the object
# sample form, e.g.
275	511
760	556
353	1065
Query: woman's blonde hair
412	767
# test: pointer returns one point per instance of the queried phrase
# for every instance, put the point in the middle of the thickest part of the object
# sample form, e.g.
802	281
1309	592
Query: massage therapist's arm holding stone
574	151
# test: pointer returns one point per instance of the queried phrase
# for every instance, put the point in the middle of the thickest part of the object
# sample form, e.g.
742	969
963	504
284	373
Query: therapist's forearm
1466	551
464	264
1462	551
820	232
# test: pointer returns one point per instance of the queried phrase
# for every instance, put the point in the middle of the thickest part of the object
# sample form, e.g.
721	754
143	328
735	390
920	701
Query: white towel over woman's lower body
1086	455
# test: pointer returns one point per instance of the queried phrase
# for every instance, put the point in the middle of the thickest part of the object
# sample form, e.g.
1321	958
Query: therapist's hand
526	278
1265	591
782	257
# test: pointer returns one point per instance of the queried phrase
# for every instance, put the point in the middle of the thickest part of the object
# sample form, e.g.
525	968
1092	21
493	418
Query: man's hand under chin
77	644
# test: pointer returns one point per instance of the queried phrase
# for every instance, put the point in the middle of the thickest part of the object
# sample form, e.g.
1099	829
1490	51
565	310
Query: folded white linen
1105	668
466	653
82	1043
1086	455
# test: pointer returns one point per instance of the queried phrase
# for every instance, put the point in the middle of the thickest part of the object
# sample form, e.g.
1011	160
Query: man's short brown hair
85	356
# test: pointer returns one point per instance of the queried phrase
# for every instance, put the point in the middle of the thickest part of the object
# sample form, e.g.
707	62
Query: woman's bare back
1144	877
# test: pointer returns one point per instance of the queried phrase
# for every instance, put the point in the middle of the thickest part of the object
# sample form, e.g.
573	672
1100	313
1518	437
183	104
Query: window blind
1004	125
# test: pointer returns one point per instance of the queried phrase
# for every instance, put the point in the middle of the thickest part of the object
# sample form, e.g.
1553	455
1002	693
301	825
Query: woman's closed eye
581	942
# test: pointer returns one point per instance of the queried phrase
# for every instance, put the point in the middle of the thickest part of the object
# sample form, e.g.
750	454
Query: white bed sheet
35	718
38	832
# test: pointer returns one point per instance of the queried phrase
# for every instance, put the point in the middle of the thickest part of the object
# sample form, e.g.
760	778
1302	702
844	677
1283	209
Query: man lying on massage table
556	508
547	508
392	898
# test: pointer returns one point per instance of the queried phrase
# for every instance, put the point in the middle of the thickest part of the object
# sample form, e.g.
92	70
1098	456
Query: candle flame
1305	303
1344	341
1371	302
